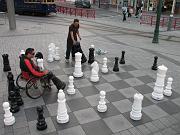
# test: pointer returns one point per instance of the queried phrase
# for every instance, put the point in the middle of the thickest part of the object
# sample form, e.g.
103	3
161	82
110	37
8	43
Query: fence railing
83	12
151	20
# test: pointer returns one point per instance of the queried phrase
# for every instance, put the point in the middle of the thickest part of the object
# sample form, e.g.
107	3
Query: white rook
157	94
78	70
135	113
62	116
71	89
104	68
168	89
8	118
50	55
102	103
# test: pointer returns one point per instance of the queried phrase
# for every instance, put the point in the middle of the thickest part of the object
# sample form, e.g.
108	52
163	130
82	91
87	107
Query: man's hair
39	55
76	20
29	50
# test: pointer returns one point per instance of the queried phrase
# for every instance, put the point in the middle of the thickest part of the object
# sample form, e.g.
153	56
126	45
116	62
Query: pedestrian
129	11
124	10
73	35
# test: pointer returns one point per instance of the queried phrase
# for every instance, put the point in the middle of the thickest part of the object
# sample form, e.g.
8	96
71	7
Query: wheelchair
34	87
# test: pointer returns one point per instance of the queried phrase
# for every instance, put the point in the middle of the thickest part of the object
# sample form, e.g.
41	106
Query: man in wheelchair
29	69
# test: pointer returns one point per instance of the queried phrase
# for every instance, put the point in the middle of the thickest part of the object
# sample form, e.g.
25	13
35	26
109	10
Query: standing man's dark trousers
124	17
69	50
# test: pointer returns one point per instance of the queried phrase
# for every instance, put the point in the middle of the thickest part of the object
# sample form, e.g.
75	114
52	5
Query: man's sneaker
67	60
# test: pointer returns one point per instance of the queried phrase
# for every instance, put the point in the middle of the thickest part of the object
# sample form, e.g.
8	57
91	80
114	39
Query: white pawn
8	118
40	64
77	69
102	103
62	116
94	72
136	114
57	55
50	55
168	88
104	68
71	89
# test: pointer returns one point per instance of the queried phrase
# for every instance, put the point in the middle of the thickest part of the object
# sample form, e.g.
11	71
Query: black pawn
6	65
41	124
18	96
116	66
91	55
13	102
154	67
122	61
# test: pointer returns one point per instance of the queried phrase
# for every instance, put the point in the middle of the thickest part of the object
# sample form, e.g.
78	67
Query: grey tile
134	131
133	81
124	75
146	79
75	96
88	91
169	131
72	122
64	78
151	127
20	122
105	87
94	100
149	96
144	89
177	116
138	73
154	112
176	101
86	115
22	131
50	98
68	71
120	84
118	123
28	102
77	130
79	83
176	127
169	107
129	68
96	128
128	92
143	130
123	105
114	96
158	124
78	104
158	133
168	120
34	131
111	77
125	132
8	129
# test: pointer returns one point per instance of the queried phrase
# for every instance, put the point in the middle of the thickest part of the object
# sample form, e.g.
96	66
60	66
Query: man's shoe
67	60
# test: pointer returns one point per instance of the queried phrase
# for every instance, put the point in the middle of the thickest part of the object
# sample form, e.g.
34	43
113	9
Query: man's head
30	52
76	22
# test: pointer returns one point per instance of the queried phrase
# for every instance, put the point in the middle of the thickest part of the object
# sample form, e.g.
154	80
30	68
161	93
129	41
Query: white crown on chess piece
71	89
102	103
168	89
9	119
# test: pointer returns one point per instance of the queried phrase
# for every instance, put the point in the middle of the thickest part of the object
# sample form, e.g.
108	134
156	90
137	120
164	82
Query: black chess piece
10	76
58	83
122	61
154	67
11	85
13	102
41	124
116	66
91	55
18	96
6	65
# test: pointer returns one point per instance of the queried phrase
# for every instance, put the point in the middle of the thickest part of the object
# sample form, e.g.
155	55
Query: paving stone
22	131
134	131
151	127
168	131
72	131
143	130
158	124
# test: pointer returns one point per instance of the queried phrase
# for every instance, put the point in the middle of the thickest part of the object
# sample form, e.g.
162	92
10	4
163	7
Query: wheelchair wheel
20	82
34	88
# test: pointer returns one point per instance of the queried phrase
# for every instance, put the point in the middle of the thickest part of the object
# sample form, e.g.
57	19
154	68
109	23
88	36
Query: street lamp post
171	16
156	31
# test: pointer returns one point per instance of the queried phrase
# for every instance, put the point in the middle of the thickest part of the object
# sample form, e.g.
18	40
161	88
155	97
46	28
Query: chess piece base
20	102
41	127
154	68
135	116
78	75
9	121
14	109
71	92
122	62
102	109
65	120
157	96
57	58
167	93
94	79
104	70
115	69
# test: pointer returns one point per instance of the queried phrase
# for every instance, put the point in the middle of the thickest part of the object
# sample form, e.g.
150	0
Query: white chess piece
40	64
71	89
136	114
168	88
53	47
57	55
94	72
9	119
92	46
78	70
157	94
102	103
104	68
22	52
50	55
62	115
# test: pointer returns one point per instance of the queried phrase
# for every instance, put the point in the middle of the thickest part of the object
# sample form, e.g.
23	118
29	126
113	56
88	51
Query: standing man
124	10
72	38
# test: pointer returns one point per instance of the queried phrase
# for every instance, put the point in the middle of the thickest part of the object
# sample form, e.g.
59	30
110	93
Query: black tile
144	89
146	79
124	75
78	104
50	97
113	96
145	102
31	113
96	128
72	122
120	84
111	111
88	91
128	68
143	120
169	107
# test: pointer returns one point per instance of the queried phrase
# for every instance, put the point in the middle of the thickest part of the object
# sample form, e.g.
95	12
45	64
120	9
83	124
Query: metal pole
11	14
99	3
156	31
171	16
